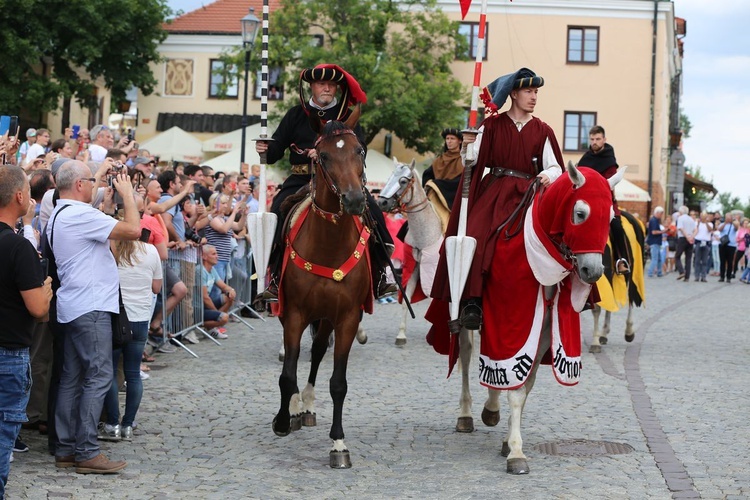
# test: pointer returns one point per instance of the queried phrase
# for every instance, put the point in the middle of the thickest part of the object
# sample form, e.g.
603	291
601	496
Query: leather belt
500	172
300	169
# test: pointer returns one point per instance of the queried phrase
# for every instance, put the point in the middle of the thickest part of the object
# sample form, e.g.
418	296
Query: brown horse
325	279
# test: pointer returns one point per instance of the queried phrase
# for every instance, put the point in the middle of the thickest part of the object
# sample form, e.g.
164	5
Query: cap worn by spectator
143	160
31	132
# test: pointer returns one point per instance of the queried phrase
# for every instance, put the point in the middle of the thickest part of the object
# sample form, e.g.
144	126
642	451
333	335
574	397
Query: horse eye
403	181
581	212
323	156
360	151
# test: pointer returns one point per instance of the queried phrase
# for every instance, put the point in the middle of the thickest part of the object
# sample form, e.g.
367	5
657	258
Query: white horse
403	193
587	266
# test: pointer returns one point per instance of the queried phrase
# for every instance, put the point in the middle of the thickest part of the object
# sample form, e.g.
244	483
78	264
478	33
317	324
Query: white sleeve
549	162
28	233
476	145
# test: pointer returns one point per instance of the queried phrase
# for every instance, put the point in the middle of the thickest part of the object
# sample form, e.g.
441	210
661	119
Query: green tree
399	52
57	49
685	125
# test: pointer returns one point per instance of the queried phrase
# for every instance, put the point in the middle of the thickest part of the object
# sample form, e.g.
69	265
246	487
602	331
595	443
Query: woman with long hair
140	271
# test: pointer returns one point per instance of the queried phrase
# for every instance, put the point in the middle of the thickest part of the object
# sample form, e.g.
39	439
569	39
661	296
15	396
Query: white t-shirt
135	281
704	232
685	226
97	153
85	265
34	151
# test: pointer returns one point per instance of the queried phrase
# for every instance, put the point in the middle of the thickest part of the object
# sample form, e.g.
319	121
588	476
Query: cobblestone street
677	395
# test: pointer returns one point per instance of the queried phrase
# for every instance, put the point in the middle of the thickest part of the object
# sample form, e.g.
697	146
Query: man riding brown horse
295	133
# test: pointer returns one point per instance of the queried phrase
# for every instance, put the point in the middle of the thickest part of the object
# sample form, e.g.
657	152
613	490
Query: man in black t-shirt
25	294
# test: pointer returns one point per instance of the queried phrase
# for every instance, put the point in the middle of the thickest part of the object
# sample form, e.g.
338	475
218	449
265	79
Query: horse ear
395	161
315	123
617	177
351	122
575	176
413	164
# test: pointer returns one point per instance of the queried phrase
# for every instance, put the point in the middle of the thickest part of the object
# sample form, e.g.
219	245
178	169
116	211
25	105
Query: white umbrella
627	191
175	144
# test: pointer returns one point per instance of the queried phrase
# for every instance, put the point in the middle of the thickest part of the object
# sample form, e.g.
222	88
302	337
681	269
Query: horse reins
402	205
329	216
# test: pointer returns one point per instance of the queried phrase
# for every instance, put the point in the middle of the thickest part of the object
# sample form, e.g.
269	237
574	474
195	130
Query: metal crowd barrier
188	314
241	279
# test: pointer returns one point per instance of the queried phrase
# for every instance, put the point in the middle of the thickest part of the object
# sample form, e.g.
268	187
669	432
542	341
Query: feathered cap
351	92
496	93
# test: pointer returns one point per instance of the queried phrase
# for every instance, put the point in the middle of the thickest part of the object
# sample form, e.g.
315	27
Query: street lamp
250	25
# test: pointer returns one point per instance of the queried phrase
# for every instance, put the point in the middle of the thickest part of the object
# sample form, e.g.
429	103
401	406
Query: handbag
724	240
122	333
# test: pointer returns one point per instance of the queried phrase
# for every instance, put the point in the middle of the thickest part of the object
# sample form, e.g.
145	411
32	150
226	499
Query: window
471	32
583	45
275	85
577	126
221	79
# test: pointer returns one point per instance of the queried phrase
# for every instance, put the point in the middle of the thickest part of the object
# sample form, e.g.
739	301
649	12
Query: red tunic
492	199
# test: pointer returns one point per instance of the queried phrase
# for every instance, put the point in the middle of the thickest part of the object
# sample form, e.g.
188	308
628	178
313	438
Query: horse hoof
277	431
490	418
295	423
595	349
362	339
465	424
517	466
400	342
281	357
505	450
340	459
629	338
309	419
603	340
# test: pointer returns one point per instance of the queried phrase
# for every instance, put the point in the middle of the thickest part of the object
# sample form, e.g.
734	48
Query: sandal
156	331
145	368
147	359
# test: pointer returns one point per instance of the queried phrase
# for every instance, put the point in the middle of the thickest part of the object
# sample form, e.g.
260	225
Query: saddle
439	203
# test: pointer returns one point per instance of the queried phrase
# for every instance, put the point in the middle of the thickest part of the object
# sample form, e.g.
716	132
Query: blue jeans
132	352
221	269
85	380
656	262
15	388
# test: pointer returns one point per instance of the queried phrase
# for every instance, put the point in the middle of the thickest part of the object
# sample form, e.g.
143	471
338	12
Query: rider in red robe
515	147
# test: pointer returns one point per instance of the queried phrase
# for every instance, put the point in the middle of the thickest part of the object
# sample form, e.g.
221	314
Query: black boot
471	314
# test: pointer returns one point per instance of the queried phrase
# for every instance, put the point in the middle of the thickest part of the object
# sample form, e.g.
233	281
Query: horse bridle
318	162
401	204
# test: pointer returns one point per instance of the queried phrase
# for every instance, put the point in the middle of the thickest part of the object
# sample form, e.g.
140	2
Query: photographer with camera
25	294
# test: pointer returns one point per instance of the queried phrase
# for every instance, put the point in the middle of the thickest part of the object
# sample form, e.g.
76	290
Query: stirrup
270	294
471	316
625	263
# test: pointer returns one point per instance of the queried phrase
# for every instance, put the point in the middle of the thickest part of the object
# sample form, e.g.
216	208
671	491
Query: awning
627	191
175	144
233	140
700	185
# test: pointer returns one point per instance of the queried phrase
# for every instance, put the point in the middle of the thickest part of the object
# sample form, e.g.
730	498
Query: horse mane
332	127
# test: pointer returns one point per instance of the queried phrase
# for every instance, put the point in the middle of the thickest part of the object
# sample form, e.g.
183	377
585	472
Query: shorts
211	315
172	278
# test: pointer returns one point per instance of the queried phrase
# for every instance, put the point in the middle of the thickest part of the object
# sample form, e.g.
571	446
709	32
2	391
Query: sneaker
166	348
99	465
191	337
20	447
217	334
127	433
108	432
144	375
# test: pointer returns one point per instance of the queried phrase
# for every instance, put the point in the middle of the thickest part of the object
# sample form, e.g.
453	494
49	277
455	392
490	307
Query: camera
192	235
145	235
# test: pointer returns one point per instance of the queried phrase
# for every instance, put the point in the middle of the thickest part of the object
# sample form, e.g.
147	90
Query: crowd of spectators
712	245
112	222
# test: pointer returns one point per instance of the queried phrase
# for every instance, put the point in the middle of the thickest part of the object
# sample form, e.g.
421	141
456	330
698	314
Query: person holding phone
25	294
38	148
222	225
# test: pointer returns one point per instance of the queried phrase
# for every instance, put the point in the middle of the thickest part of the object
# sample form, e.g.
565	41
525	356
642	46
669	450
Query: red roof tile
219	17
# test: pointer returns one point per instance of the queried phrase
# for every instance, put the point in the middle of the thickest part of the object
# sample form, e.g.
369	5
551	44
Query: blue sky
716	74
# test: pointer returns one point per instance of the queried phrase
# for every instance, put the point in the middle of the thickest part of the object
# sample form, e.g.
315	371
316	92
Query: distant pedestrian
653	240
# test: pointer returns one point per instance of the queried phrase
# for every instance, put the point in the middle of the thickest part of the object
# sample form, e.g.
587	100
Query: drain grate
583	448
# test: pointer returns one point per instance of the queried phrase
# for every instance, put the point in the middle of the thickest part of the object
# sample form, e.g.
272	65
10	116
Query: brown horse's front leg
345	333
282	423
322	331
